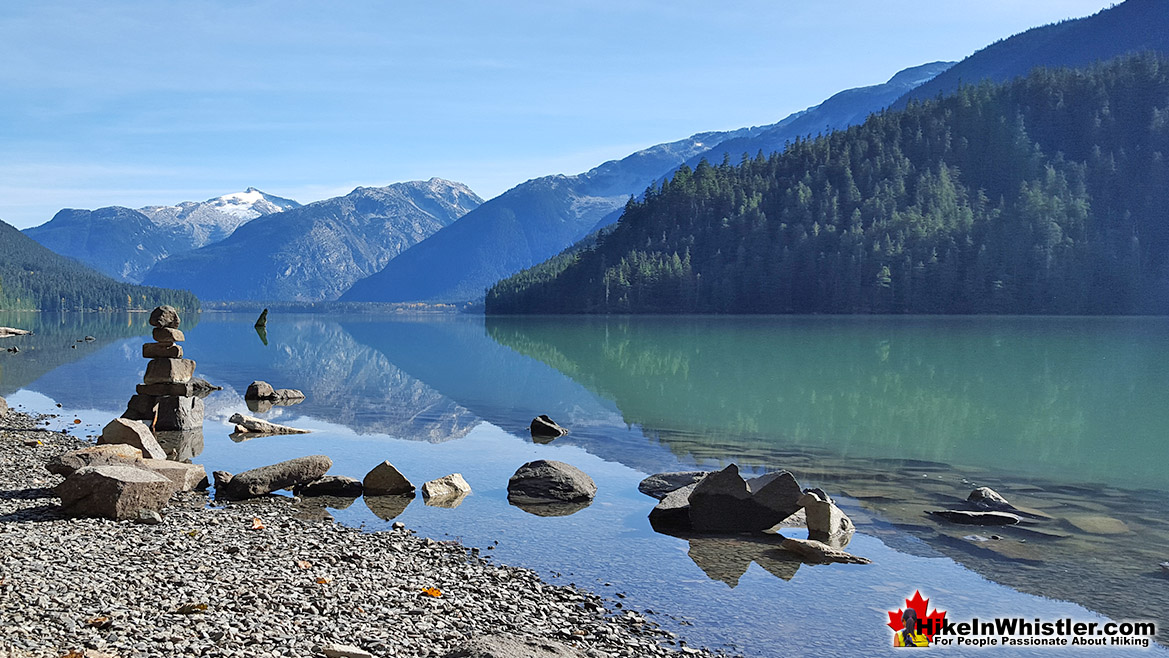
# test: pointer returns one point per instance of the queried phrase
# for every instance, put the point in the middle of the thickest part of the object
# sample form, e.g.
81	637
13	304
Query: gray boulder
113	492
661	484
165	316
338	486
977	518
162	351
385	480
266	479
547	481
259	390
723	501
179	413
449	486
544	427
673	511
251	425
167	335
985	498
168	371
68	463
825	521
133	433
141	407
514	646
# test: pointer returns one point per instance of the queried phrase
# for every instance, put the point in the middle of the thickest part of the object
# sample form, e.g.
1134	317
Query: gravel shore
209	582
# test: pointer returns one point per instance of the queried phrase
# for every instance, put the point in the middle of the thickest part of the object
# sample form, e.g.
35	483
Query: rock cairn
166	400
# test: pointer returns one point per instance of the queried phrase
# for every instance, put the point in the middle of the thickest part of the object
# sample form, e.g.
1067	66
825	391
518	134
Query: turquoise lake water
893	416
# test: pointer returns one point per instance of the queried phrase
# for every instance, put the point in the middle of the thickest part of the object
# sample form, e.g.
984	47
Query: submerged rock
976	518
549	481
660	485
1098	525
817	552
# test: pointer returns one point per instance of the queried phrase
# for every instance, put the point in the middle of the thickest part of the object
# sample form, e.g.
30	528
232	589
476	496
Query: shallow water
891	415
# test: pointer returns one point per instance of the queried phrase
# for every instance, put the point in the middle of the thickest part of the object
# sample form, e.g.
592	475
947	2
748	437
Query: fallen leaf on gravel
74	654
304	564
191	608
98	622
257	524
192	533
432	592
324	580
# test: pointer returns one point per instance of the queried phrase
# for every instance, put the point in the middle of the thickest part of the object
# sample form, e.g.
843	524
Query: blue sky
141	103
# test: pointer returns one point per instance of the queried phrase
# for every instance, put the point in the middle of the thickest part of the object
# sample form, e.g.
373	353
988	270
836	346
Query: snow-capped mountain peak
250	204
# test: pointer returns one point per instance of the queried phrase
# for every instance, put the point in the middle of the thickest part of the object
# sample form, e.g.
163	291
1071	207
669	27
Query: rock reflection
551	509
264	406
726	559
387	508
448	502
181	445
316	508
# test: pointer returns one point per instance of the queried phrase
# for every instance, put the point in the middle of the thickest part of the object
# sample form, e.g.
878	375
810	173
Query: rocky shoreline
257	579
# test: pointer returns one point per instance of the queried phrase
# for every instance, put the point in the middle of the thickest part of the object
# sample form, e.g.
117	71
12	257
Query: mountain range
125	243
315	252
539	218
403	243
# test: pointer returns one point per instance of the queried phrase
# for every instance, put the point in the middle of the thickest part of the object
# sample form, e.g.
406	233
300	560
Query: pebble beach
261	578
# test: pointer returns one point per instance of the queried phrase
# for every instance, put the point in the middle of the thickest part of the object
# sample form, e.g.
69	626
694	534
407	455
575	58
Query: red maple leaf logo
930	623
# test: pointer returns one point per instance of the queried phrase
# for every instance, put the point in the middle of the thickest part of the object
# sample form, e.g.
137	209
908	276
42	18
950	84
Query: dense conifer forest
34	278
1048	194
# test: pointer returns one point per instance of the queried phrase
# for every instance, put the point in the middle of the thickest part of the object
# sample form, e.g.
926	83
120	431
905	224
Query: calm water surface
893	416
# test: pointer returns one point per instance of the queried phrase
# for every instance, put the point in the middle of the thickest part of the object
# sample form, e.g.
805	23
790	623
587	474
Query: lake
1066	417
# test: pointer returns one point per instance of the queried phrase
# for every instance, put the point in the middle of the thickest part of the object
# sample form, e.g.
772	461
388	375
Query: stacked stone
166	399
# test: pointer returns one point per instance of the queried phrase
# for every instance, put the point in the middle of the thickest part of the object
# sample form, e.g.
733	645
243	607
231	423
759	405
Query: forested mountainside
34	278
1125	28
1043	195
537	219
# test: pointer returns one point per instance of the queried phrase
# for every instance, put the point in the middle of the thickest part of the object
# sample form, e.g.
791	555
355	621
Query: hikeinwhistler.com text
1019	632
